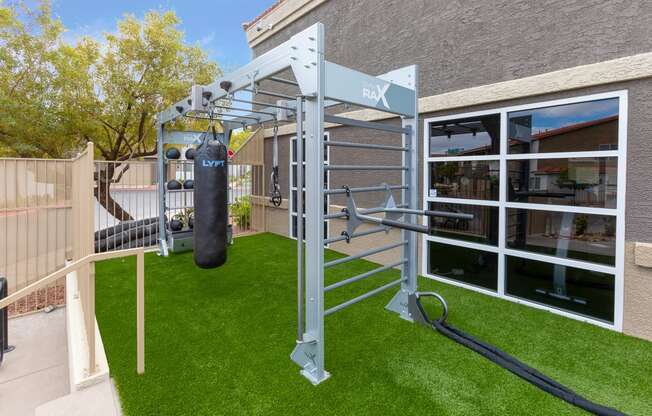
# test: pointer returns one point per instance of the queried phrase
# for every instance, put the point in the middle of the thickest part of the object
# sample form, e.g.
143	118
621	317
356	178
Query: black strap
515	366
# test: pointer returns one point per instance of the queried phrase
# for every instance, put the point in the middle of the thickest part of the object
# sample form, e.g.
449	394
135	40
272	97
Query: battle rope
508	362
275	188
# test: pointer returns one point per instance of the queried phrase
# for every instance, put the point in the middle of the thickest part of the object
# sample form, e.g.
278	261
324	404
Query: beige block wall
637	312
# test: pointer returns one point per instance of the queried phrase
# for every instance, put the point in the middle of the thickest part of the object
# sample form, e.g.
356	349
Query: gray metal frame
322	84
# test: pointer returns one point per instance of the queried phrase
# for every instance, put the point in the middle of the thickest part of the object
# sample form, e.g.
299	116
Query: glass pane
580	127
581	291
563	234
466	137
294	175
295	230
475	267
587	182
483	228
294	201
470	180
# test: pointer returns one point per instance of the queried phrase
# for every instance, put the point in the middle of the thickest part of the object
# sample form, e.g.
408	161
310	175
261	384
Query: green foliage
56	97
184	215
239	138
241	211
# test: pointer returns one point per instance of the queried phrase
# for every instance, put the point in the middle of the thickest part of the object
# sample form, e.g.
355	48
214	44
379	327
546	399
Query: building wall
465	45
461	44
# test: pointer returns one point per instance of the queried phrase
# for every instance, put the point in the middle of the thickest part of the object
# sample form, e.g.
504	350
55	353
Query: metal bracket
305	355
401	304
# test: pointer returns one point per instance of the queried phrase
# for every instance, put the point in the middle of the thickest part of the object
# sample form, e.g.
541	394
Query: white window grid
293	187
503	157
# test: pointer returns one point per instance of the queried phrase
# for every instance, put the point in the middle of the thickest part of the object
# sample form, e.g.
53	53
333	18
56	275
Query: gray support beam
353	87
409	196
299	184
162	237
309	354
364	124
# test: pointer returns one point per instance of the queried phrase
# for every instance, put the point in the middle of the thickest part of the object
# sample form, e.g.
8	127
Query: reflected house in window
580	181
475	179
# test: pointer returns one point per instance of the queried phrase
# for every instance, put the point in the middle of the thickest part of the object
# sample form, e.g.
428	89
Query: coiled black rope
508	362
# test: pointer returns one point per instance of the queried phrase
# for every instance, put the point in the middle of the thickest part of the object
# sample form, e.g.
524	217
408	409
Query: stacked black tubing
516	367
127	234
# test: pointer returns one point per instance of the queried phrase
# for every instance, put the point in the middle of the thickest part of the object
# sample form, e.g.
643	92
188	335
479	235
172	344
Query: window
476	179
545	185
465	137
293	231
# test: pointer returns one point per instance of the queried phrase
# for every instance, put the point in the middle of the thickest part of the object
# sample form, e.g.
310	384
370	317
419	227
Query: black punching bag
211	211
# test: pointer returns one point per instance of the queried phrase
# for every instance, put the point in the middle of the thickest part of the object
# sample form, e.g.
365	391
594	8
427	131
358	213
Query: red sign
230	153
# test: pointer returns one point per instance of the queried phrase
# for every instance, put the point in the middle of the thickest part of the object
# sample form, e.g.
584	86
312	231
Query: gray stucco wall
465	44
460	44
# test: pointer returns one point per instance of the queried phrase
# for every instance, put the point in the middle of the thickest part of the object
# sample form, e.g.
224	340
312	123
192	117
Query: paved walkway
36	372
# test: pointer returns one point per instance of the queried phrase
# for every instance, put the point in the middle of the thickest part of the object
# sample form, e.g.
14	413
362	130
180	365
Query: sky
215	25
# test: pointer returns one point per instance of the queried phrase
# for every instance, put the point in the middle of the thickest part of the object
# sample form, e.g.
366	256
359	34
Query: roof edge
276	17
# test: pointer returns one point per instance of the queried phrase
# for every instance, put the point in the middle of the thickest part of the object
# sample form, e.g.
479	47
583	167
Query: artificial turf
218	343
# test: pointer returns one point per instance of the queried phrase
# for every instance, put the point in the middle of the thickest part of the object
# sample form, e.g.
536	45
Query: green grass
218	343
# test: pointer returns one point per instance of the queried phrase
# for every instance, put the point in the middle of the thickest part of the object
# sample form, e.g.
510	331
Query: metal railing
86	267
39	200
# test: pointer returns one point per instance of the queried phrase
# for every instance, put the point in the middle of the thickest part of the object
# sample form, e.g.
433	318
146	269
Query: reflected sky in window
552	118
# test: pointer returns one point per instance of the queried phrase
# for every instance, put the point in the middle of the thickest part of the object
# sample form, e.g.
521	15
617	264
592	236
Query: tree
238	138
141	70
29	120
61	96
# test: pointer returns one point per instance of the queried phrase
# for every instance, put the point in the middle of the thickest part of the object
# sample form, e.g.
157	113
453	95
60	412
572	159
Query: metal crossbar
366	146
260	103
366	124
283	81
362	297
269	93
364	275
362	211
356	235
342	191
364	167
343	260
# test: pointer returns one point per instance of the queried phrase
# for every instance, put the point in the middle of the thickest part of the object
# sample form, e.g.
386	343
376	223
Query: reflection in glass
466	137
563	234
582	291
470	180
587	126
475	267
587	182
483	228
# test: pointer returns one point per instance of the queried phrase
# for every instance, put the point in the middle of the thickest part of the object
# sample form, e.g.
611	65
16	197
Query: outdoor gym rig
322	84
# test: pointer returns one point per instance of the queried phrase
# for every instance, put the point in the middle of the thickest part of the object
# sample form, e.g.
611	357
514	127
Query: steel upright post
162	238
410	159
309	353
